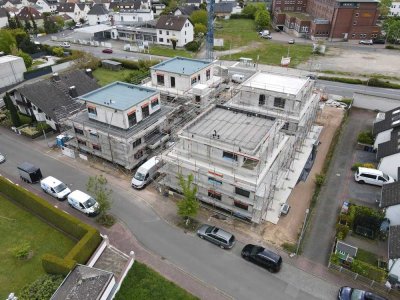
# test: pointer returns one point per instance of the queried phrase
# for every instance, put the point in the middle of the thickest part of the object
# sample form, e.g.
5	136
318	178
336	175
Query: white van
146	172
55	187
238	78
372	176
83	202
65	45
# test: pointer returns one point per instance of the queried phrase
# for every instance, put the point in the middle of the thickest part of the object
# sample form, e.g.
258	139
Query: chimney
72	92
56	77
89	73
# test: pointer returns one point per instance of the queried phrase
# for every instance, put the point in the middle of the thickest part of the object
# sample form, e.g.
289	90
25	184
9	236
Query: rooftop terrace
182	65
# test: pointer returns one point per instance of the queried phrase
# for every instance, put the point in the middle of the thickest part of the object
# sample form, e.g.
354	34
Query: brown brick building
334	19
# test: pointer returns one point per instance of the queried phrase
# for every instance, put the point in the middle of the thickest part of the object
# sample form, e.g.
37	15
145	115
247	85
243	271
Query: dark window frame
242	192
279	102
132	120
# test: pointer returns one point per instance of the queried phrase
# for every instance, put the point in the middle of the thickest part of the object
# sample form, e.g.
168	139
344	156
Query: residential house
72	10
157	8
390	201
345	251
170	27
395	9
41	5
12	70
394	255
3	17
185	10
28	12
194	2
51	100
12	5
118	5
98	14
133	16
121	122
226	8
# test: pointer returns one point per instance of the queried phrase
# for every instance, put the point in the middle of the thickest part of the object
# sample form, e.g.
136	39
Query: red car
107	51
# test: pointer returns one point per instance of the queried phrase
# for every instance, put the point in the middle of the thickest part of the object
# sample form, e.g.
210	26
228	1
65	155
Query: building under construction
247	155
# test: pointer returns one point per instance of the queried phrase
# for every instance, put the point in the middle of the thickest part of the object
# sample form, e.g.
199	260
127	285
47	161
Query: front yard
19	228
106	76
169	52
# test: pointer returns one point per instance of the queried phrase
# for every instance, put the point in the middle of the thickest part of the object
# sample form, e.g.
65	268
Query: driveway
338	183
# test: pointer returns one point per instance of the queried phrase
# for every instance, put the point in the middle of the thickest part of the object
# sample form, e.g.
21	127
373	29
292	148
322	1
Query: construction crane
210	31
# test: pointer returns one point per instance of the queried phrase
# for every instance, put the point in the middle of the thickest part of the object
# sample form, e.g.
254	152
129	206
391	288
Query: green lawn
105	76
145	284
236	33
367	257
270	53
16	226
168	51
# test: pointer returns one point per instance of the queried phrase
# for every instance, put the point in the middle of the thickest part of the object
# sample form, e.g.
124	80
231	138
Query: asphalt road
223	269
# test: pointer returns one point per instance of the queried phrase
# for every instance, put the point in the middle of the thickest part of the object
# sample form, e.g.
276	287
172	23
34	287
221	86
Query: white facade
393	214
12	70
3	22
184	36
382	137
76	14
97	19
132	16
390	164
395	9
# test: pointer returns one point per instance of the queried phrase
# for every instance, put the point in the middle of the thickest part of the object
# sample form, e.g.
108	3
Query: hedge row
87	236
369	82
341	79
136	65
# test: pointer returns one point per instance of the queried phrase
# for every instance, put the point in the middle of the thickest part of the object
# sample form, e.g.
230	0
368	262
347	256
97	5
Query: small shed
111	65
345	251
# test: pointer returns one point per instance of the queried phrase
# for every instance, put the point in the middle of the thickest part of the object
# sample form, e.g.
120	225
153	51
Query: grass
271	53
168	51
236	33
367	257
105	76
145	284
18	225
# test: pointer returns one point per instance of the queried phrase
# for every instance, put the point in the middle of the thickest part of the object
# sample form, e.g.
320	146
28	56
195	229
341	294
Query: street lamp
302	230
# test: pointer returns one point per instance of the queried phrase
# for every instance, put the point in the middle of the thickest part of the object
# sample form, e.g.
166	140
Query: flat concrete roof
8	58
276	83
93	29
233	127
119	95
182	65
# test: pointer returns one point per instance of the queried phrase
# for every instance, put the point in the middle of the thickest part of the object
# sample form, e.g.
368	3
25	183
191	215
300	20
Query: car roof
222	233
269	254
369	170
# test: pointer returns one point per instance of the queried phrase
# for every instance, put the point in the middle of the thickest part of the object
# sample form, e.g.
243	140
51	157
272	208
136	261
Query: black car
348	293
379	41
263	257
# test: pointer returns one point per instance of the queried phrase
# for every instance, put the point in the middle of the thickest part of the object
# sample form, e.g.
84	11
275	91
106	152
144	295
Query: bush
335	259
289	247
342	231
365	137
346	101
192	46
25	119
106	220
341	79
22	250
40	126
89	238
368	270
364	165
380	83
31	132
58	51
319	179
390	47
42	288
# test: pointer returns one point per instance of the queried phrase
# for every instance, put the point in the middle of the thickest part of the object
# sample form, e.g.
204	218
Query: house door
172	82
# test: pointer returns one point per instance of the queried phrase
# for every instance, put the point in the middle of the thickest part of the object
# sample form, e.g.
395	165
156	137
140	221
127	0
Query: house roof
187	10
66	7
224	7
65	17
389	147
194	1
50	95
391	120
182	65
83	282
28	11
3	13
394	242
98	9
81	6
170	22
390	194
346	248
126	4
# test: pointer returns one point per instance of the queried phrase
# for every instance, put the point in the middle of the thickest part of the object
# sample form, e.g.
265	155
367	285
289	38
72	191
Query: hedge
368	270
369	82
88	237
341	79
136	65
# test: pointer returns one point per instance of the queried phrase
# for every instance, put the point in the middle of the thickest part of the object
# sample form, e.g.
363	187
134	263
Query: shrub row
370	82
368	270
341	79
136	65
87	236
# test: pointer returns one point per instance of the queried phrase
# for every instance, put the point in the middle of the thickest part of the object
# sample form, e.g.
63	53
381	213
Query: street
225	270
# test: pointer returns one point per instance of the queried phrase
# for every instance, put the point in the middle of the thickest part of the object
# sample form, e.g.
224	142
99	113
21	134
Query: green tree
58	51
199	17
188	207
249	11
391	27
7	41
97	186
26	57
42	288
59	21
262	19
12	109
11	22
18	22
27	26
384	7
34	25
49	25
200	28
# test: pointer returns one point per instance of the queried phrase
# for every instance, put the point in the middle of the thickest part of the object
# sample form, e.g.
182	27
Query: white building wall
395	9
382	137
3	22
97	19
12	70
390	164
393	214
183	37
133	17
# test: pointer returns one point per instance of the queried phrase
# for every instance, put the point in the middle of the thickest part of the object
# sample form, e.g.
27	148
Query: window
160	31
279	102
138	154
80	142
167	40
145	111
172	81
357	14
136	143
286	126
161	40
194	80
78	131
208	74
242	192
355	23
96	147
214	194
39	110
160	79
167	32
92	110
197	98
48	118
241	205
132	119
261	99
229	156
154	103
214	181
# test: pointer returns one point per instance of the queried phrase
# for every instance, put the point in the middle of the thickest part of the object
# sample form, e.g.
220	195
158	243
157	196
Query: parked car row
256	254
372	176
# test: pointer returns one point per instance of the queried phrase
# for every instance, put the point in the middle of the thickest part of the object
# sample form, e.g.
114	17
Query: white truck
146	172
55	187
84	203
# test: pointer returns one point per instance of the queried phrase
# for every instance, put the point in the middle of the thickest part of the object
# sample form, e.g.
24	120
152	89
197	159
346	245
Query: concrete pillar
107	240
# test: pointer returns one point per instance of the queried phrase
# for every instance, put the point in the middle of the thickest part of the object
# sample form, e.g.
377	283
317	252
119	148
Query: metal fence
377	286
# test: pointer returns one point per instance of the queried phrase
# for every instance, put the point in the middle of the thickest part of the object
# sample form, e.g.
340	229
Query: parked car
83	202
291	41
78	25
263	257
266	36
348	293
366	42
372	176
55	187
215	235
65	45
108	50
284	209
2	158
146	173
379	41
29	173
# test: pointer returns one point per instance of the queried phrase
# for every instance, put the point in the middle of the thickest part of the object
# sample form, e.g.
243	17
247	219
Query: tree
34	25
391	27
97	186
49	25
13	111
26	57
199	17
11	21
188	206
173	41
18	22
249	11
7	41
59	21
384	7
262	19
27	46
58	51
200	28
27	26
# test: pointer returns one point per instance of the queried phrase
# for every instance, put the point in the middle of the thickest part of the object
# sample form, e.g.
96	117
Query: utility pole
302	231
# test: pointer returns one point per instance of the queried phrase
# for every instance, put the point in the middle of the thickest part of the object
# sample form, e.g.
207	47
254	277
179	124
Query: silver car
2	158
215	235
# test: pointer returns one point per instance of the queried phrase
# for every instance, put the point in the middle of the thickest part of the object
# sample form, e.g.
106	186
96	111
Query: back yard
23	232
